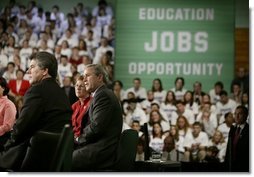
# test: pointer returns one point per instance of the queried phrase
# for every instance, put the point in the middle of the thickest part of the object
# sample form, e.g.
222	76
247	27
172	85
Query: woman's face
217	136
80	89
181	123
157	129
155	116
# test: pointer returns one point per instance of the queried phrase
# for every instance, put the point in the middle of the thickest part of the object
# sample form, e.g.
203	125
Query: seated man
195	144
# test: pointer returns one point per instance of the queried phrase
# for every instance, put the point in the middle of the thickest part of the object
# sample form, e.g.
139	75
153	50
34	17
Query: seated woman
7	112
80	107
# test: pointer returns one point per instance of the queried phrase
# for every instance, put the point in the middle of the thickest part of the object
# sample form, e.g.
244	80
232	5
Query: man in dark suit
46	108
237	154
100	137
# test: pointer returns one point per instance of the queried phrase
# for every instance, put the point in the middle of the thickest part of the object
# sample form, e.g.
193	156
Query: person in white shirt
134	112
44	47
118	90
136	126
157	138
91	43
215	92
45	36
224	105
225	127
146	104
25	53
104	47
70	38
179	141
10	73
195	145
137	89
168	106
159	92
103	18
218	140
64	69
156	117
85	61
209	122
181	110
65	50
102	4
57	15
31	37
190	103
179	89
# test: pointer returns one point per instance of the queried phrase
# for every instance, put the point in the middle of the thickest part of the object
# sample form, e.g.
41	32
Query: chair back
126	152
49	152
62	160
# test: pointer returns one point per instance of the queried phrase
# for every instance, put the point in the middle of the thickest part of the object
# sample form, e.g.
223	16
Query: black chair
62	160
126	152
49	152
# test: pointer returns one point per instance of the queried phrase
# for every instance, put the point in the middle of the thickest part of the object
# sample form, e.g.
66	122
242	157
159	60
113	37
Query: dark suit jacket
99	140
46	108
71	94
241	163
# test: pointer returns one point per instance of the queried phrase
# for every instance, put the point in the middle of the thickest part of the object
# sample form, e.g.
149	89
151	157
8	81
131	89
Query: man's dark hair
47	60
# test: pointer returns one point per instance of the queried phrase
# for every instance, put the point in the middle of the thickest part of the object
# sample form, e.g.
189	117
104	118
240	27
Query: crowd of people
184	124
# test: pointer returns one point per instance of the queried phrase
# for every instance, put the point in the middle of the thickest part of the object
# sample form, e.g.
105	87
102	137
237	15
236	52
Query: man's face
240	118
91	80
35	72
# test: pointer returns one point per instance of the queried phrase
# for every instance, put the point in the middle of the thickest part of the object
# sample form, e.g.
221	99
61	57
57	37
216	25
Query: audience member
137	89
140	155
224	105
118	90
225	126
134	112
156	117
241	78
219	142
190	103
195	145
159	92
169	151
7	113
169	107
18	86
197	92
181	110
179	141
10	73
236	93
136	126
100	137
179	89
215	92
157	138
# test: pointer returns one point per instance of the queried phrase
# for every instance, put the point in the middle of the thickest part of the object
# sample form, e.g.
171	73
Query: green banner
165	39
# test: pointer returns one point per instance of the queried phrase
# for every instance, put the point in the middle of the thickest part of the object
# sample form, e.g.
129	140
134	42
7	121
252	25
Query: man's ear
45	73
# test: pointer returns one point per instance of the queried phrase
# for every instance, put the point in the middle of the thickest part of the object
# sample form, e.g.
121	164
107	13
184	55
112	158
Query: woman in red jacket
18	86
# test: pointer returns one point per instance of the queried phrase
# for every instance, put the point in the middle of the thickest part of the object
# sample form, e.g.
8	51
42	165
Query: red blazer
23	88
